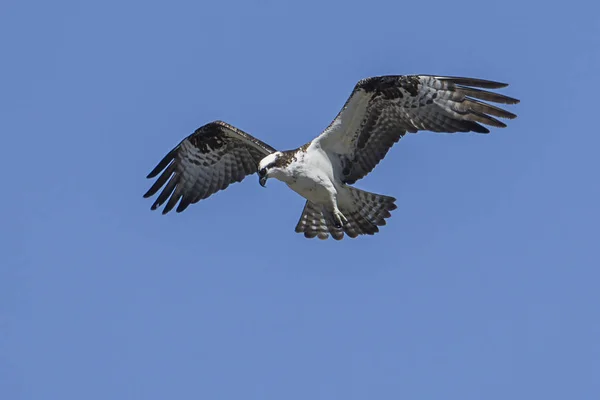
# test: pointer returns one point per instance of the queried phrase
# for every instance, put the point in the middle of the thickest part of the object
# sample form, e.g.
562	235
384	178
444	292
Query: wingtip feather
164	162
475	127
474	82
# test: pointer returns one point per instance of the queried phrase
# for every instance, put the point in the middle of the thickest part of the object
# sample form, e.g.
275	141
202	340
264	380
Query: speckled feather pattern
395	105
365	215
213	157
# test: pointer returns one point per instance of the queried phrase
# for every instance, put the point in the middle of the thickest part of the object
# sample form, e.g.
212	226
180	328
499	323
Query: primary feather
214	156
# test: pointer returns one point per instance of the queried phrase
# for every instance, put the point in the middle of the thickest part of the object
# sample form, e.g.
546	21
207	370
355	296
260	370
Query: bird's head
270	167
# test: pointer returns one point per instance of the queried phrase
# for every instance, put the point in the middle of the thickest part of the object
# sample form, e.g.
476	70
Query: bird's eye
262	172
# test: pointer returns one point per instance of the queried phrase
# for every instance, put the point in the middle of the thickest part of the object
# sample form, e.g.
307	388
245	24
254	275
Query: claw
339	219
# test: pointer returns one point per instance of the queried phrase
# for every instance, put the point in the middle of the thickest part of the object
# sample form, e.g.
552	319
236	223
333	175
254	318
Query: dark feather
485	108
475	82
486	119
163	163
487	96
396	104
209	160
160	181
164	195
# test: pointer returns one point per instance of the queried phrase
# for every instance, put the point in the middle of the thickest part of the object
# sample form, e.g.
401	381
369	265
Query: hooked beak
263	181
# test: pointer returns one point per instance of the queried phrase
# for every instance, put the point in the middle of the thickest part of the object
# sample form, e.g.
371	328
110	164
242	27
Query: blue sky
483	285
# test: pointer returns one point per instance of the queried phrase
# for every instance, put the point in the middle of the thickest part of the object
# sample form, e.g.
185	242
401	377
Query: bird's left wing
214	156
382	109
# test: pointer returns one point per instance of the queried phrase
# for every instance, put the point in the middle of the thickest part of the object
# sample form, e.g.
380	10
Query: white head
272	166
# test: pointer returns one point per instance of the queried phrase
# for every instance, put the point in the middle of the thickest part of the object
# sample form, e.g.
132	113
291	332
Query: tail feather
365	212
313	223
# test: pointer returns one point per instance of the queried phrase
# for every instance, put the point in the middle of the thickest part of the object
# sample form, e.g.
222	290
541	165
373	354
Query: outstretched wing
214	156
382	109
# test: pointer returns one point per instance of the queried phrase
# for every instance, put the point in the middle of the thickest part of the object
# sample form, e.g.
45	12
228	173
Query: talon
339	220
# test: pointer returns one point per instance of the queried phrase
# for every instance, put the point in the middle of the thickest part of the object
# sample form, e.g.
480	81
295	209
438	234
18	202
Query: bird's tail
365	212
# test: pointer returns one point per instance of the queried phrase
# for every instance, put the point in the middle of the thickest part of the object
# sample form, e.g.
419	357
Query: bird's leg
339	220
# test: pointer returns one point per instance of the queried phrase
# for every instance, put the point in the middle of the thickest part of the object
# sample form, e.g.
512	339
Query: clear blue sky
483	285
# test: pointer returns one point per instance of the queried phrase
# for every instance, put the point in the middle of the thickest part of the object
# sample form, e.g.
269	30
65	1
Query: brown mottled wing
382	109
214	156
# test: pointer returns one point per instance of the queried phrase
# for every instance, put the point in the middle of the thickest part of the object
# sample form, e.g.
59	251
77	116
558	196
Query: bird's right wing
214	156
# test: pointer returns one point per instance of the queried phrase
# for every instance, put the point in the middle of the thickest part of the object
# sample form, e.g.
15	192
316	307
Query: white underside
313	190
314	177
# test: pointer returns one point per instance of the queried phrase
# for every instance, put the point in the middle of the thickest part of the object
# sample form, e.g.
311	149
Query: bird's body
313	175
378	113
310	173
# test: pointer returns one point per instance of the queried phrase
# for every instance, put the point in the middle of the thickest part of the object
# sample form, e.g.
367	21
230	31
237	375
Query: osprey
379	111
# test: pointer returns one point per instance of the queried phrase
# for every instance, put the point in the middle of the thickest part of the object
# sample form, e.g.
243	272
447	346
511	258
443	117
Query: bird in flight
379	111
